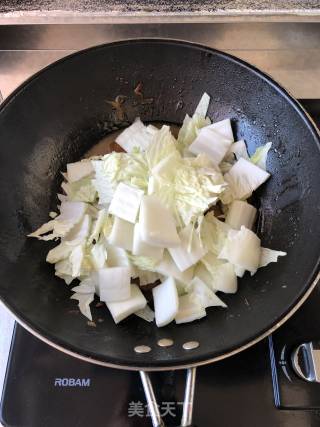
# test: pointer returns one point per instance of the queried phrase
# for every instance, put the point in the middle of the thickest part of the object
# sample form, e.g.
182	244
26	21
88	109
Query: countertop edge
118	16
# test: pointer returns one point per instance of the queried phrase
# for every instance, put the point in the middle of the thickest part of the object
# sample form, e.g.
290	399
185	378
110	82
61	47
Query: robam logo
72	382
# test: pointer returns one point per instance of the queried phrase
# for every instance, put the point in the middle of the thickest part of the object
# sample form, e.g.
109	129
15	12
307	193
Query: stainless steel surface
53	18
151	400
187	411
189	398
290	53
306	362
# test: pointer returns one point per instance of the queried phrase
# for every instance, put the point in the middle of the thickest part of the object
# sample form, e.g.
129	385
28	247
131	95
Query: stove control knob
306	361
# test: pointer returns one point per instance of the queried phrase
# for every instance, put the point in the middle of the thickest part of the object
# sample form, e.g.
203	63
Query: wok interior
61	113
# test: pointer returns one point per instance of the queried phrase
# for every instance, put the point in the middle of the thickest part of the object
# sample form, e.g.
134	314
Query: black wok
58	114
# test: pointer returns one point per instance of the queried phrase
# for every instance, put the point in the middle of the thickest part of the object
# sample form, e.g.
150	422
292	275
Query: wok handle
151	400
187	411
188	400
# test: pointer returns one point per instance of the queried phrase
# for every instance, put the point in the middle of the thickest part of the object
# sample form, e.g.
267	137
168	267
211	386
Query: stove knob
306	362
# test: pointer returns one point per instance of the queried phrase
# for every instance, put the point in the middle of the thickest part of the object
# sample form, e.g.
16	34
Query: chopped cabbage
259	158
225	166
244	177
242	248
167	167
166	302
143	262
114	284
191	125
203	274
117	168
141	248
71	214
213	233
239	271
223	128
147	277
154	215
195	192
156	224
99	254
216	274
146	314
206	296
189	251
84	301
122	309
167	267
76	259
79	170
82	191
203	105
225	279
163	145
60	252
85	287
121	234
79	232
64	268
136	135
212	143
194	188
125	202
190	309
241	213
189	131
118	257
269	255
98	226
238	150
211	263
45	228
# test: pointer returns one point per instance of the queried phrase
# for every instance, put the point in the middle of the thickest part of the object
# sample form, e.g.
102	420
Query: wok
60	113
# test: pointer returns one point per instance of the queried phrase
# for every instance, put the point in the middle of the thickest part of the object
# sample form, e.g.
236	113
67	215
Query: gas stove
275	383
44	387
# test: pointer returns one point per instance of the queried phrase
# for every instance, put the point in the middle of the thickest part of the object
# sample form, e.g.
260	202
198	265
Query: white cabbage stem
242	248
241	213
121	234
244	177
114	283
157	224
190	309
166	302
122	309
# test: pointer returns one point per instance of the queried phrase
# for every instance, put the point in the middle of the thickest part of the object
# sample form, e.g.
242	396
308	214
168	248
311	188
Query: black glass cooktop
257	388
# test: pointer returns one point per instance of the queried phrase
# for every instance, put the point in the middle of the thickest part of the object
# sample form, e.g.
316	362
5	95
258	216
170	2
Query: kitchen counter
101	11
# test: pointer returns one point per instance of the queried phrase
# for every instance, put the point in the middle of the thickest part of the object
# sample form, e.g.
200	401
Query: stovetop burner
259	387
